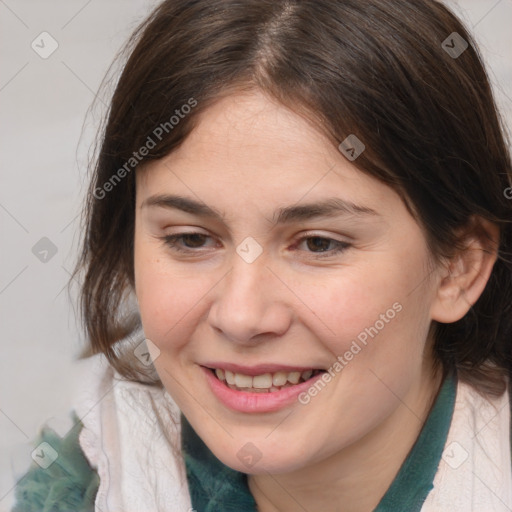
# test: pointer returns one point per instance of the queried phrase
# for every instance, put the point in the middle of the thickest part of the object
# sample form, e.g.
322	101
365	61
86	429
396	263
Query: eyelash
172	241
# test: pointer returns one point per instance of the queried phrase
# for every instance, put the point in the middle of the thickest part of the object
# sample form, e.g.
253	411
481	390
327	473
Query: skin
294	305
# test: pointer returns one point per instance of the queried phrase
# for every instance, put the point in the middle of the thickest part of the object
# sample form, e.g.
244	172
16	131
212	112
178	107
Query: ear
463	278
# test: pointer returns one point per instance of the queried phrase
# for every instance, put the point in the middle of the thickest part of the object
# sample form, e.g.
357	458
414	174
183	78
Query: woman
307	203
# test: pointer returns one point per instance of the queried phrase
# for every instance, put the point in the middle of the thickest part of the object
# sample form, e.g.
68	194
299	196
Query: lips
244	395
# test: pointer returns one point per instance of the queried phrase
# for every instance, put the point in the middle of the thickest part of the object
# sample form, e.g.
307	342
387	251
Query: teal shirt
70	484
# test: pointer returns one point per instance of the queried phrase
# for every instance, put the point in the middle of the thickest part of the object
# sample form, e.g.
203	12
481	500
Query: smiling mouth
265	383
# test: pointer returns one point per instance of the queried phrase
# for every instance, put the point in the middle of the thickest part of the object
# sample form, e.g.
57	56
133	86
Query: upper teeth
265	381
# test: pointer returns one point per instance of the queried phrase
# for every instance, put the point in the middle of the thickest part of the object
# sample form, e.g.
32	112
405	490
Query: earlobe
466	274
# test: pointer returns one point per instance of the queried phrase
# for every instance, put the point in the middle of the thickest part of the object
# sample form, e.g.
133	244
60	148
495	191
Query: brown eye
318	244
187	242
194	240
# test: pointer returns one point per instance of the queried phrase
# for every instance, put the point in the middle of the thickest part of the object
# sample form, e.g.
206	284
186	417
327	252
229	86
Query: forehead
247	149
252	123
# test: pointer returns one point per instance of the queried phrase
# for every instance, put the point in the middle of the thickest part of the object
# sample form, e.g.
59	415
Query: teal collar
214	487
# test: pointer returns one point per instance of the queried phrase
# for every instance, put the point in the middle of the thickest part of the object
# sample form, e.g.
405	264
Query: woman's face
291	261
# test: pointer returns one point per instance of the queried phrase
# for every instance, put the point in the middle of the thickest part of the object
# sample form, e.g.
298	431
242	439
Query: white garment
475	473
131	435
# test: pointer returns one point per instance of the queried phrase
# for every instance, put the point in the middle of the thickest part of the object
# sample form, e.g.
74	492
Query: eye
186	242
321	246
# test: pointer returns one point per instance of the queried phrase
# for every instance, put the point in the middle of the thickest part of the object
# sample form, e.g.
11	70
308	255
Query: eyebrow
330	207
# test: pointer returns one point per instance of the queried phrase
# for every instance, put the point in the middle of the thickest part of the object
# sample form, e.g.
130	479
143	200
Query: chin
254	457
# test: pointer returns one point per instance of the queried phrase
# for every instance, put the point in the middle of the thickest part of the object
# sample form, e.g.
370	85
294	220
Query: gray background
43	146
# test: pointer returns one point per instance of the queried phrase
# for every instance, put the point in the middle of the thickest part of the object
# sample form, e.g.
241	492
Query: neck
359	475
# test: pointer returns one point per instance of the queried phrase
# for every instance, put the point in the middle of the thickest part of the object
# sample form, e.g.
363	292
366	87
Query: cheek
167	308
380	301
169	300
383	322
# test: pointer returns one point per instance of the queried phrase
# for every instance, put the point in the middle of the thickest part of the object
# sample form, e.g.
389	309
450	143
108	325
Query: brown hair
379	70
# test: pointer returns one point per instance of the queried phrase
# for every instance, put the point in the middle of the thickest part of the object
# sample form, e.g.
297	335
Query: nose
249	303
